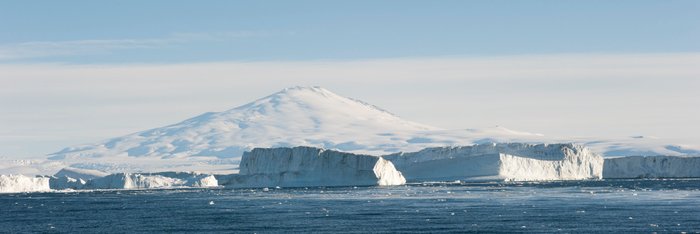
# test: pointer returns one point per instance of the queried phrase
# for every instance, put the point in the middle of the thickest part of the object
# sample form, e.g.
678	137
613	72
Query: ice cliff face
20	183
651	167
507	161
308	166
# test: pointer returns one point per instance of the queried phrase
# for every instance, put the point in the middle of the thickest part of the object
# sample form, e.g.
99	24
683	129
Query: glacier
21	183
651	167
309	166
503	161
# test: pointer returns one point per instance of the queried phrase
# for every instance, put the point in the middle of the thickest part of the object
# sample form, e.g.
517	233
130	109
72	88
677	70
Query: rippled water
592	206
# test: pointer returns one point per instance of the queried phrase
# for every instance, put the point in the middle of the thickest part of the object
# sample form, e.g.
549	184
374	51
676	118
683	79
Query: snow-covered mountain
300	116
291	117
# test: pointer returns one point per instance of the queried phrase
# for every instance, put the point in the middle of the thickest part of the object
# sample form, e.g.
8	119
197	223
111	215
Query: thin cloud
41	49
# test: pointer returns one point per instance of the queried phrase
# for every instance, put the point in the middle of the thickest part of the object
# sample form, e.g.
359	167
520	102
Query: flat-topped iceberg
652	167
309	166
20	183
71	178
503	161
152	180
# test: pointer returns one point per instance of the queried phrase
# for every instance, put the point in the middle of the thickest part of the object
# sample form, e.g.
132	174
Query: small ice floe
211	202
266	190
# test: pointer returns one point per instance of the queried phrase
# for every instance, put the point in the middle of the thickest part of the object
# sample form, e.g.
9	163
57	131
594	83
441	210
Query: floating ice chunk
308	166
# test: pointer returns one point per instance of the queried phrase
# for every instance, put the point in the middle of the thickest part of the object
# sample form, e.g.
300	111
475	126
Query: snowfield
307	166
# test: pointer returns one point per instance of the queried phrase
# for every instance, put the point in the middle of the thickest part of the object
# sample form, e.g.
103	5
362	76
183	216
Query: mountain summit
310	116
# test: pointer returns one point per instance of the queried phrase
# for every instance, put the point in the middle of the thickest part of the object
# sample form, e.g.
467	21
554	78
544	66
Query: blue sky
74	72
187	31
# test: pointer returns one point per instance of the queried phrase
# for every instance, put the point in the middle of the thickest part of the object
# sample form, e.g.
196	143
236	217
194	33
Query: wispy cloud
40	49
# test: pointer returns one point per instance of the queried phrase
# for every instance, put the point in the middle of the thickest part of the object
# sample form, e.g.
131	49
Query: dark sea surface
638	206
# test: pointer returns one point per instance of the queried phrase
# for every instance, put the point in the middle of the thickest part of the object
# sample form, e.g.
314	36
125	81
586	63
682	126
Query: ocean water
582	207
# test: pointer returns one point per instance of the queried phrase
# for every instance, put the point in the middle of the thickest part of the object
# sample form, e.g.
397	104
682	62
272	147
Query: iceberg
309	166
500	161
20	184
651	167
152	180
76	179
80	173
132	181
65	182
